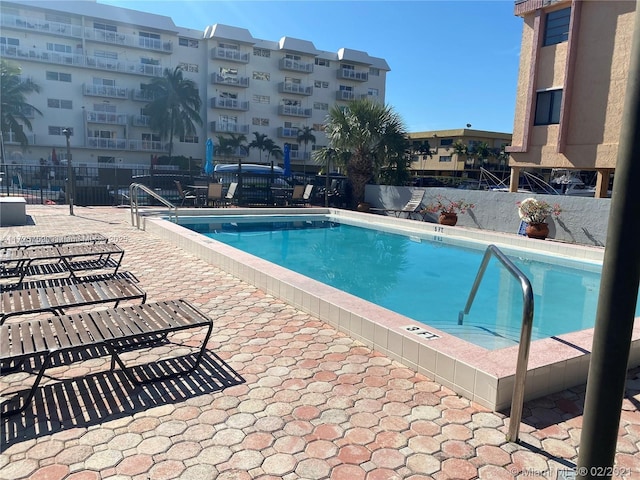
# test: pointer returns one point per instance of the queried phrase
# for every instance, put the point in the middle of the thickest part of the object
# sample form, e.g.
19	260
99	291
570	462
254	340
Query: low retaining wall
583	220
13	211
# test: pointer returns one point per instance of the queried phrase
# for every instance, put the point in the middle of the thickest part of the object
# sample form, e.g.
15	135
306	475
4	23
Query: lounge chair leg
29	397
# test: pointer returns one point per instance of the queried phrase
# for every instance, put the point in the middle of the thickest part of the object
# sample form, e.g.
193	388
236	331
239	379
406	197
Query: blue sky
452	62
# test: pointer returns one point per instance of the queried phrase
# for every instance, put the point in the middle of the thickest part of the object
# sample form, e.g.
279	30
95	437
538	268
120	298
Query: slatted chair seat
23	340
57	296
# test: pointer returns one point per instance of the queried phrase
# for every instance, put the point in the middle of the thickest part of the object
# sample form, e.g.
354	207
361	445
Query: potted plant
448	209
534	213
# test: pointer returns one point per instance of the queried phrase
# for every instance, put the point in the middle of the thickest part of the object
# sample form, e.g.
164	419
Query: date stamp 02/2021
615	472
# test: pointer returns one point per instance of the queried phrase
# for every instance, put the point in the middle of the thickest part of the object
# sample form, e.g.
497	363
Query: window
296	81
291	102
319	127
346	66
188	42
106	54
557	28
445	158
53	17
374	72
9	41
58	130
59	76
105	82
320	84
153	36
291	56
231	95
189	138
189	67
446	142
104	107
229	46
104	159
322	62
261	76
261	99
548	107
149	61
262	52
104	26
260	122
373	92
320	106
57	103
58	47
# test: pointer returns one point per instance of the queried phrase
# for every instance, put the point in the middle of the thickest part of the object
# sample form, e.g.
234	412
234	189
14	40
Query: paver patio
280	395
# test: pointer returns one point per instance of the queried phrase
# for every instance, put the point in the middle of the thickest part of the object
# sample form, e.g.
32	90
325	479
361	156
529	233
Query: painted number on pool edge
439	229
421	331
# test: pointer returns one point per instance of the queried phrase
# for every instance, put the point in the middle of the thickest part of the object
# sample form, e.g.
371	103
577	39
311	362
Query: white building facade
93	61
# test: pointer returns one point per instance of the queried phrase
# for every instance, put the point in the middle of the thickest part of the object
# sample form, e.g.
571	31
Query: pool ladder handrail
517	400
133	203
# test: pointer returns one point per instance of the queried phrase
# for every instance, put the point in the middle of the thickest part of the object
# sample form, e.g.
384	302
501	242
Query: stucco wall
583	220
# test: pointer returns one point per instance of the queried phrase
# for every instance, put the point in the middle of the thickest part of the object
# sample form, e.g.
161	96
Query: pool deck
301	398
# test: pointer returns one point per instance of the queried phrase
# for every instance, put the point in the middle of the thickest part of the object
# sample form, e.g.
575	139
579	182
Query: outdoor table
200	191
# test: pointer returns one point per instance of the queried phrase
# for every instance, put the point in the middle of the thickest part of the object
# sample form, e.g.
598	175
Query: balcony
10	138
526	6
41	25
107	118
286	132
141	120
229	104
295	66
126	40
217	79
142	96
348	74
105	91
230	54
296	88
148	146
345	95
79	60
107	143
223	127
294	111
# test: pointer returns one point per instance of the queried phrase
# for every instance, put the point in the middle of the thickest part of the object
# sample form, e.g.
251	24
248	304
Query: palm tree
273	149
305	136
229	146
175	106
371	133
13	98
261	142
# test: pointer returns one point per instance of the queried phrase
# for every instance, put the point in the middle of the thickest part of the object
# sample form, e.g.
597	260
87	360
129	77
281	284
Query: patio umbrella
208	164
287	160
54	157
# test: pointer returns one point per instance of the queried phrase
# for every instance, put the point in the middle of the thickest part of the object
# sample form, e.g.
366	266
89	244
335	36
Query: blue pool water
428	281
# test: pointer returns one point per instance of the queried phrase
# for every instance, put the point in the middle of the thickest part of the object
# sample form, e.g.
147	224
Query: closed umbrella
287	160
54	157
208	164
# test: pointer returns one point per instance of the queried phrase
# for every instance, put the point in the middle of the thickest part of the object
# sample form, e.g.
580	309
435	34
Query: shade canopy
208	164
287	160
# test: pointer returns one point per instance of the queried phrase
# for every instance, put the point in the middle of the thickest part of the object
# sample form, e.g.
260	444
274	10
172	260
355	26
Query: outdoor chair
411	207
114	330
296	196
214	194
230	197
186	195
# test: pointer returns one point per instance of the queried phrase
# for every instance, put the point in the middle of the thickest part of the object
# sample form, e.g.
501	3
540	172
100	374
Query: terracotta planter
537	230
449	219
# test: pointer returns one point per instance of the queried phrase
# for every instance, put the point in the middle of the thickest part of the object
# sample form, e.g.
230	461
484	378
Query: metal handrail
133	202
517	400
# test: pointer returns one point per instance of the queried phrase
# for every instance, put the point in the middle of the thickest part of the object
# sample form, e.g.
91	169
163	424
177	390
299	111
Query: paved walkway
280	396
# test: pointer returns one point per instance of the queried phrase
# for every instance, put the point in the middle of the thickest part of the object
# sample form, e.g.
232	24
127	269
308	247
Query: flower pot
363	207
537	230
449	219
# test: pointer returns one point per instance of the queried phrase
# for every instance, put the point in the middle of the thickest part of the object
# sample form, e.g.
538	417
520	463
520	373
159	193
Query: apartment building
439	152
93	62
574	63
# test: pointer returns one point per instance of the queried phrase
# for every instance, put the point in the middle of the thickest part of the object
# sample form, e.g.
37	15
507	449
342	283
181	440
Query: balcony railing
286	132
79	60
107	143
222	127
229	104
142	95
288	87
141	120
229	54
345	95
105	91
108	118
148	146
235	81
295	66
348	74
126	40
294	111
41	25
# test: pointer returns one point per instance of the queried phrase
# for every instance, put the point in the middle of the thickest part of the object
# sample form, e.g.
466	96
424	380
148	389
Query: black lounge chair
113	329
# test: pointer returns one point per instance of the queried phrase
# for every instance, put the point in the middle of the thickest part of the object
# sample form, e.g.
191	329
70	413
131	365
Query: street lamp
67	133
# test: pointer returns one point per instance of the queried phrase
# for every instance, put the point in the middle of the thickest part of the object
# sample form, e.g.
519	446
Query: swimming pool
424	279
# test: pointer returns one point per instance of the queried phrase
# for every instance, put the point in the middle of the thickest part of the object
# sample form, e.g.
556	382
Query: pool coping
481	375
